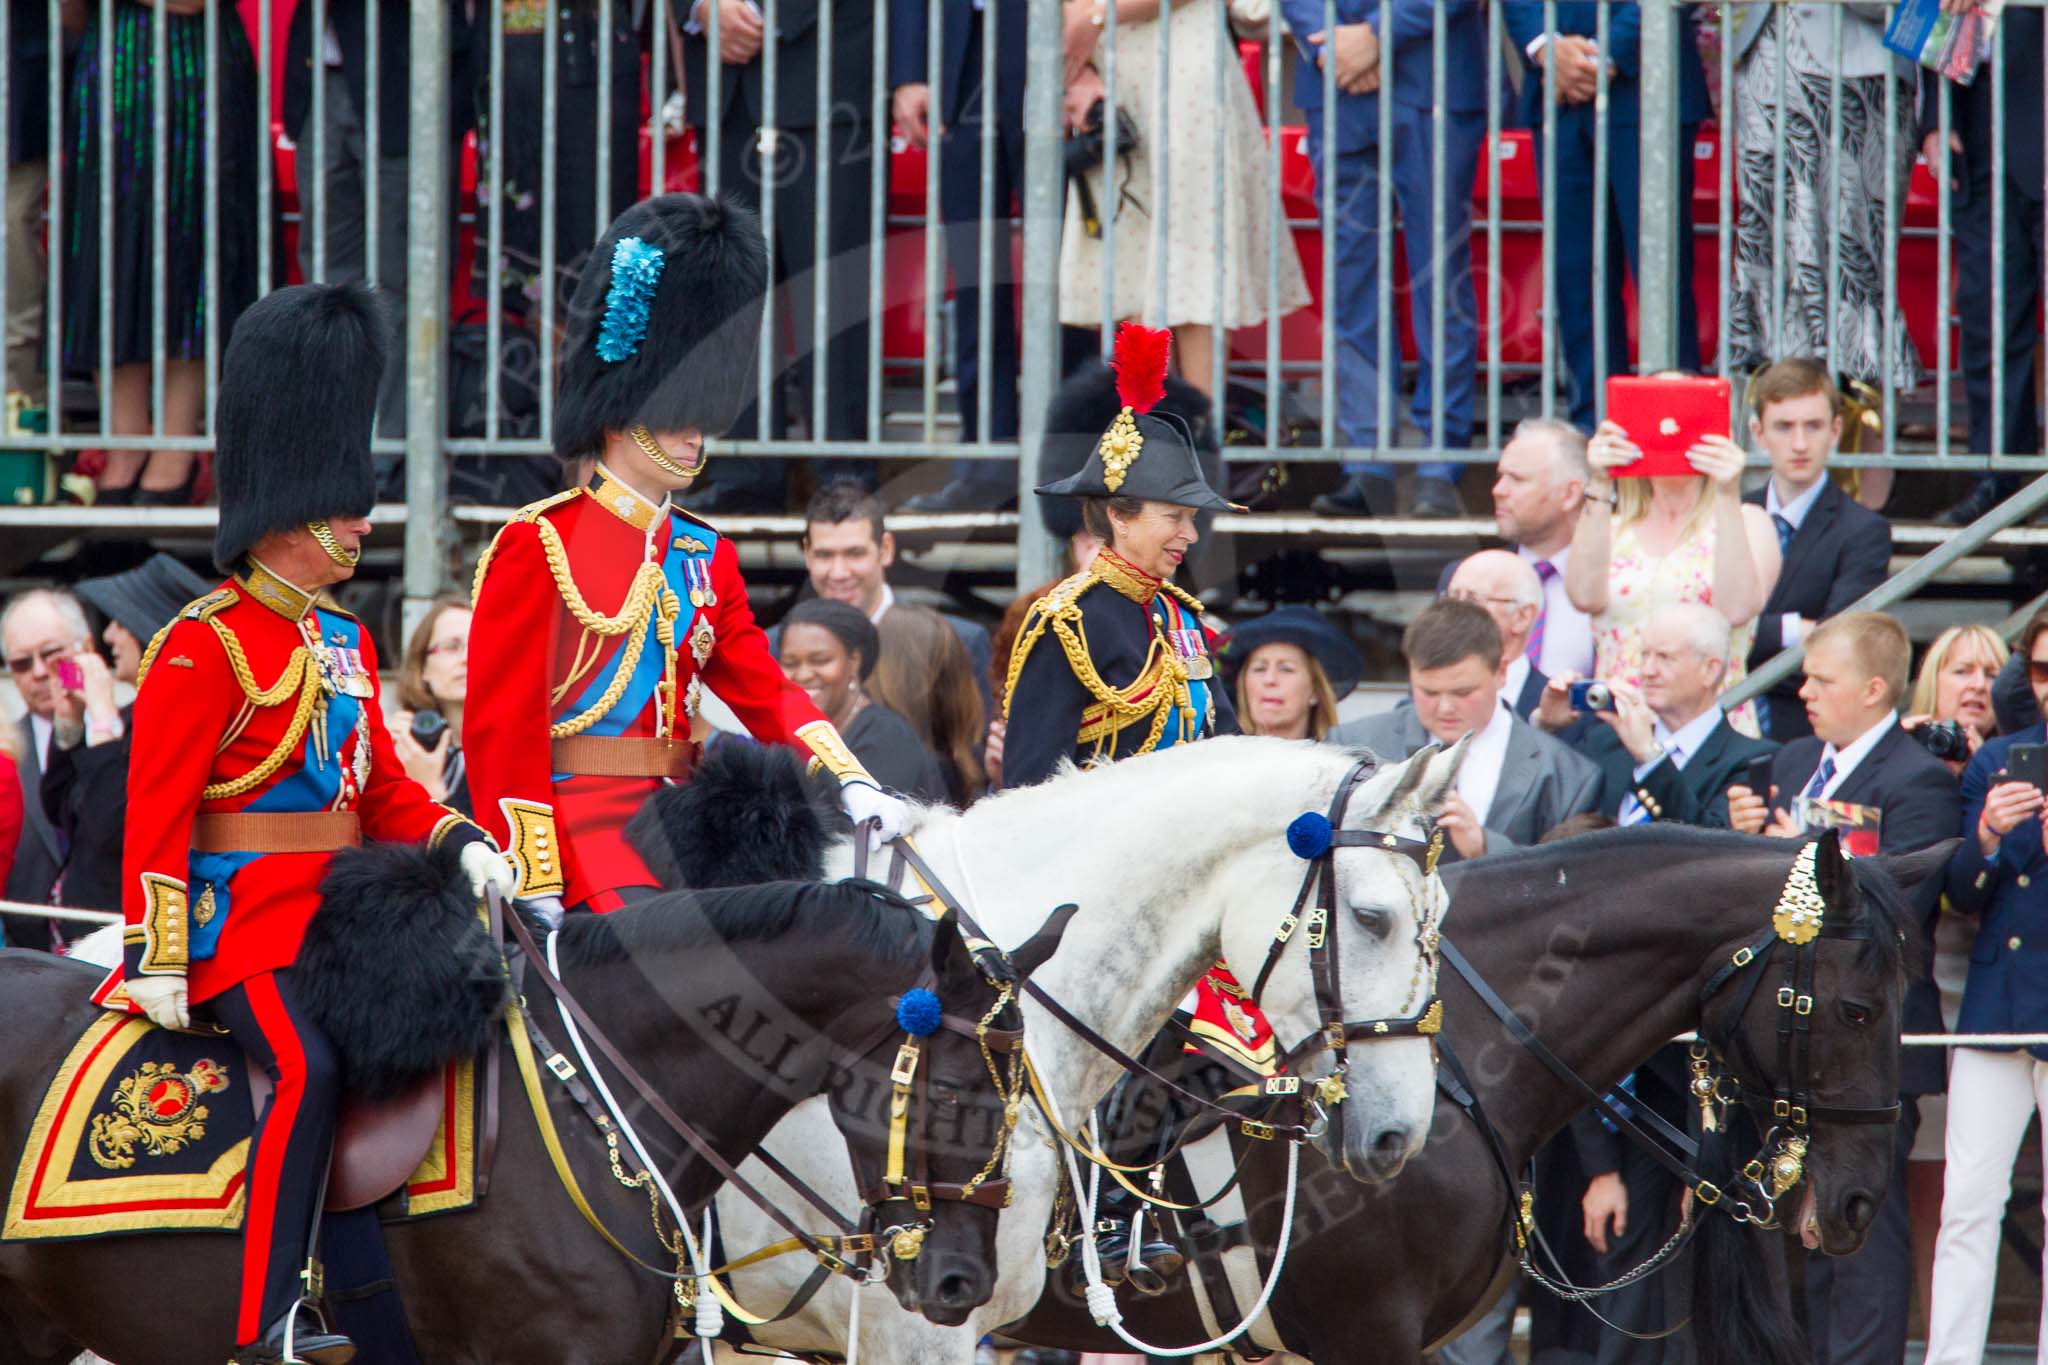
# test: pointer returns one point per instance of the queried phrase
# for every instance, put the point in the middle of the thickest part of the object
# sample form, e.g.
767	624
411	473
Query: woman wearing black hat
85	781
1115	660
1292	667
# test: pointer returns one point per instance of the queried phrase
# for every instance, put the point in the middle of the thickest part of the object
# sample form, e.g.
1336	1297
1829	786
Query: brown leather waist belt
615	756
320	831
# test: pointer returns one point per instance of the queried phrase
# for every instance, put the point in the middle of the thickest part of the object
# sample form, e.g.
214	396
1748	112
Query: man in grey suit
38	628
1516	781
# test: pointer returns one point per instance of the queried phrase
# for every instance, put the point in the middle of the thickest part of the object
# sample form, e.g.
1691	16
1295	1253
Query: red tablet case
1666	417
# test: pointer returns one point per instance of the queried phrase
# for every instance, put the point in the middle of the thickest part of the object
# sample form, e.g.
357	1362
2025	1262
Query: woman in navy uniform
1115	661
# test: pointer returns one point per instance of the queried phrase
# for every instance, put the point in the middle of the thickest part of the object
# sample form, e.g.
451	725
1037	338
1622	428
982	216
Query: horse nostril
1859	1210
1389	1151
957	1288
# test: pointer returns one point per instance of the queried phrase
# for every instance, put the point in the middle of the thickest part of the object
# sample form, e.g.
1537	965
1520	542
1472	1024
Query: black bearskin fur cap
1081	410
744	817
396	968
695	368
298	394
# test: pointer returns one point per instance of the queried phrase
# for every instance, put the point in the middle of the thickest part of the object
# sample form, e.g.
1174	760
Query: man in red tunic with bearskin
602	613
260	750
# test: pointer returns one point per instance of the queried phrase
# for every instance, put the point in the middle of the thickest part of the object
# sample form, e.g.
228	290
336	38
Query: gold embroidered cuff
830	752
447	825
165	937
536	853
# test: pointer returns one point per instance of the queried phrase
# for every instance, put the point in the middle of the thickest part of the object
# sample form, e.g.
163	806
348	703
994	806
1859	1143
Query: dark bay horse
1602	945
735	1005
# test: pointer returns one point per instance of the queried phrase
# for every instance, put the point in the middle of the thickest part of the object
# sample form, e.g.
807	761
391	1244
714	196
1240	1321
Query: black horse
1602	945
733	1004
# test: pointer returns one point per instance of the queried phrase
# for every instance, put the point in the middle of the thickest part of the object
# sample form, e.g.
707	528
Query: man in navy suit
962	103
2000	875
1666	752
1834	549
1370	37
1855	677
1568	62
2015	429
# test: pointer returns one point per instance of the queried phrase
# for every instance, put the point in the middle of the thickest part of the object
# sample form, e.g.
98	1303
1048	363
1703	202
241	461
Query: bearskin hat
298	395
673	346
1178	419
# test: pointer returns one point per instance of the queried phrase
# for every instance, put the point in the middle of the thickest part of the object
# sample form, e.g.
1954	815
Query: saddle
143	1129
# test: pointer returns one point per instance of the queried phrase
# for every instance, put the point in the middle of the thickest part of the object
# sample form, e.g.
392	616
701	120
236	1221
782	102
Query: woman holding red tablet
1647	542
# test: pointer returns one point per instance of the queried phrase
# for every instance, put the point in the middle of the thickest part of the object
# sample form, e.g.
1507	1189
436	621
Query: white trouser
1991	1097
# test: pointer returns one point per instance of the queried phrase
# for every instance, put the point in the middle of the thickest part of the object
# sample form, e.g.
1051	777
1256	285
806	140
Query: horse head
929	1110
1347	973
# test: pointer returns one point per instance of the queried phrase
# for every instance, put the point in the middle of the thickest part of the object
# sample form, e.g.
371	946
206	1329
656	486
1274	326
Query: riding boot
310	1345
362	1287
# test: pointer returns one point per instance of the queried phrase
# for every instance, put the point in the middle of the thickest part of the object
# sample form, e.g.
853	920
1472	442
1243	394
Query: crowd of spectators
1137	186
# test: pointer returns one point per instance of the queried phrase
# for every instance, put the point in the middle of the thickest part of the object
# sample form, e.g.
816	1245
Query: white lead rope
710	1316
1102	1305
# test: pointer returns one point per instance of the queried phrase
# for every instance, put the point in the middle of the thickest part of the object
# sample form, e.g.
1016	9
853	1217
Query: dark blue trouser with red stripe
289	1152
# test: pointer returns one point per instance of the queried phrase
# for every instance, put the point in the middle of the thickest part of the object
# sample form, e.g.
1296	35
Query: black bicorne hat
665	325
1148	450
146	597
298	396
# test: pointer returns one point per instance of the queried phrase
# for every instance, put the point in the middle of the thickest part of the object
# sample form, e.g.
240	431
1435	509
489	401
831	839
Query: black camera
1944	739
427	727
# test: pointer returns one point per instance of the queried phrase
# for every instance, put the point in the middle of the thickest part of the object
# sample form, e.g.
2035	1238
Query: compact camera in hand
1945	740
1591	695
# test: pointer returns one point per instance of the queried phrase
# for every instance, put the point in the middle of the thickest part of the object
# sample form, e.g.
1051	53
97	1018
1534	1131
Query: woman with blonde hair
1292	667
1954	684
924	674
1643	544
433	680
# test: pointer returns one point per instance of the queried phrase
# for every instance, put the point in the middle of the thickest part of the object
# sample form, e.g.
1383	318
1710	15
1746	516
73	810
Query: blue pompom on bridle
1308	834
636	270
918	1013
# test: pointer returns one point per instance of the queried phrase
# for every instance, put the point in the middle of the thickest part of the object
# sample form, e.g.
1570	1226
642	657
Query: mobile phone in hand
2028	763
1756	775
70	676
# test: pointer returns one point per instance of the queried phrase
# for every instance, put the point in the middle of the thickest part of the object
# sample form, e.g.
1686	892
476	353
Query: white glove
486	867
547	909
162	998
865	801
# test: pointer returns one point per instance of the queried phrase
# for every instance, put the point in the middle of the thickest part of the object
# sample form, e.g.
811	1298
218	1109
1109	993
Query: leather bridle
1317	837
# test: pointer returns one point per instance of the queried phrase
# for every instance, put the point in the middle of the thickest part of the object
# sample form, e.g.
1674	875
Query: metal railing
1220	137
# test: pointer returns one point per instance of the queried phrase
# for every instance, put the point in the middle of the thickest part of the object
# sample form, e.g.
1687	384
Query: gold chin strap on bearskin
656	452
324	534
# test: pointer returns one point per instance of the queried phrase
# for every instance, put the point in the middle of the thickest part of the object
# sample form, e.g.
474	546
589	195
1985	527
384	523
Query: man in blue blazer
1371	37
2000	876
1576	59
958	107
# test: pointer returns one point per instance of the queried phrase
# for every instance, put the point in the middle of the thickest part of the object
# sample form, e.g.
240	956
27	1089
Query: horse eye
1856	1014
1374	921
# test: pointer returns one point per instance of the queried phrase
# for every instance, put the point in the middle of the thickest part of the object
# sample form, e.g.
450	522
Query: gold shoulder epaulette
207	607
530	514
533	510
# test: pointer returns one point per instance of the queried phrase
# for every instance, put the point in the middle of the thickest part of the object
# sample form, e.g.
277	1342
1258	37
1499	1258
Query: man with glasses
1504	584
39	627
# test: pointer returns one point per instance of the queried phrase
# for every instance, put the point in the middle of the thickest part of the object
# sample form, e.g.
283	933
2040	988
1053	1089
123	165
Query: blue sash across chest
1187	640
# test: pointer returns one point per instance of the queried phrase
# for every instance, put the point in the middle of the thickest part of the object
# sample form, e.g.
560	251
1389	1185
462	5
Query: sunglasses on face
19	664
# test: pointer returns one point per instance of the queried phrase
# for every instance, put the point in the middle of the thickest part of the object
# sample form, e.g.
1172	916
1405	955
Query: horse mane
866	918
1892	946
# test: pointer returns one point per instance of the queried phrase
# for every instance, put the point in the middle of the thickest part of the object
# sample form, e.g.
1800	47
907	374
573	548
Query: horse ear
1432	771
1032	953
1830	868
1911	869
948	952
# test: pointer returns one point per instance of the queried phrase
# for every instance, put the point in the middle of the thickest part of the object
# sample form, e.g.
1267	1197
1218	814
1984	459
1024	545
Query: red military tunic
260	700
600	616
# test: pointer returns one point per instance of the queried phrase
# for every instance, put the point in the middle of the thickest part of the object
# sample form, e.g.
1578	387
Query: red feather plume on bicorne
1140	365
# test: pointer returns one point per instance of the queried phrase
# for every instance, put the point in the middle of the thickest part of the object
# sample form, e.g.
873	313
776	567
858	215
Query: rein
1752	1193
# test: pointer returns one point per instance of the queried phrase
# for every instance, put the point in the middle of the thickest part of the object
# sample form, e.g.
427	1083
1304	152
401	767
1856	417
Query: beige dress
1204	147
1639	585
